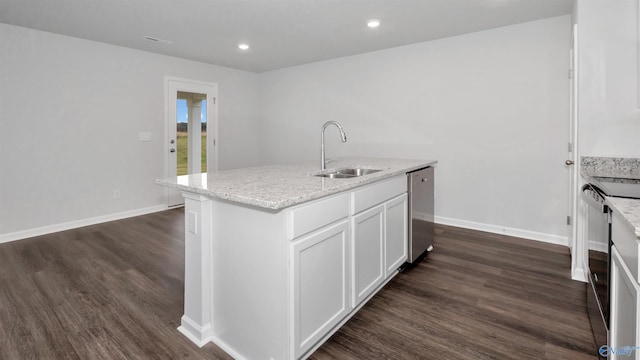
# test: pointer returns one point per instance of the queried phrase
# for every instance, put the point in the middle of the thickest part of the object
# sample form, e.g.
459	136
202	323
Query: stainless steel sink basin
348	173
335	175
357	171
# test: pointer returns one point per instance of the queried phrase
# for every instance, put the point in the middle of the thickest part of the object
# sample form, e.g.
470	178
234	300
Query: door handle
172	150
568	162
425	179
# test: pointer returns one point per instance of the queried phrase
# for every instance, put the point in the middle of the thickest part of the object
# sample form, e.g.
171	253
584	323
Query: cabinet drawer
377	193
312	216
626	243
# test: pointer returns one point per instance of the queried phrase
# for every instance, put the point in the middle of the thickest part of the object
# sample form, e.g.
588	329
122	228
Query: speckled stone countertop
280	186
610	167
629	209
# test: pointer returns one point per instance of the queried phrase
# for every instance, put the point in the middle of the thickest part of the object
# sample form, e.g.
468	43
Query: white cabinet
396	242
320	284
368	252
379	235
624	309
276	284
266	284
317	214
624	332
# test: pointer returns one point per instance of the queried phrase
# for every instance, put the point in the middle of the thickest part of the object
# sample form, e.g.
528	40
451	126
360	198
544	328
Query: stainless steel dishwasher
420	184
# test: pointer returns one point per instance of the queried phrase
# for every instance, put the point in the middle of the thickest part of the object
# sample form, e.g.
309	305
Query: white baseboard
496	229
24	234
579	275
199	335
226	348
598	246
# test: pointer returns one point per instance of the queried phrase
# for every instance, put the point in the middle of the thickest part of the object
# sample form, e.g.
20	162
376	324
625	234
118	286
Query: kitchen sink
348	173
357	171
335	175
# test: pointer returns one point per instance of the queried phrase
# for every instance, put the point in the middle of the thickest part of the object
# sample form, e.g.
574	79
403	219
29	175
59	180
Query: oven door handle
595	197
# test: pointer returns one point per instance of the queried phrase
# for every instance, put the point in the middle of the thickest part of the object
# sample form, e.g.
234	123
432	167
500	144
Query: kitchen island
278	258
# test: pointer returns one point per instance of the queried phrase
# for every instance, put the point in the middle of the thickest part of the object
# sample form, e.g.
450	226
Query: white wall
608	105
491	107
608	116
70	113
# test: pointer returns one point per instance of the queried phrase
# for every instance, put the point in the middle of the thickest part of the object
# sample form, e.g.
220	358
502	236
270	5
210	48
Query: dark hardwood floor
114	291
476	296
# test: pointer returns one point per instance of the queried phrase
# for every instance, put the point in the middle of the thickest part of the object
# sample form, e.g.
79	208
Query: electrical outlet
116	194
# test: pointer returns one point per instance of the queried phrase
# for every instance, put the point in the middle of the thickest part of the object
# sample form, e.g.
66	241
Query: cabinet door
396	234
320	284
624	309
367	252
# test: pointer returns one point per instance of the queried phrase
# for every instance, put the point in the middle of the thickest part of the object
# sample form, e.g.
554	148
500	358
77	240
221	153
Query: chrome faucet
342	134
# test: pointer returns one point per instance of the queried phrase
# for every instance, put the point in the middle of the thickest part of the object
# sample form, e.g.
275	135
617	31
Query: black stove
618	187
599	233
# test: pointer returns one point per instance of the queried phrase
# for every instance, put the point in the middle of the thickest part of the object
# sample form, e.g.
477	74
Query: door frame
172	85
577	241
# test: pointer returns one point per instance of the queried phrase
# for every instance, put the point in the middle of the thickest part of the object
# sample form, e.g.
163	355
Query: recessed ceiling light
243	46
373	23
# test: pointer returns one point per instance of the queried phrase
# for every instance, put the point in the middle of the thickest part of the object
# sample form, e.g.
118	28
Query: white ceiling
282	33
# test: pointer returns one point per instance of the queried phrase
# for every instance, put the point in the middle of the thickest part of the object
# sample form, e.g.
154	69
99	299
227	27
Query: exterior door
191	130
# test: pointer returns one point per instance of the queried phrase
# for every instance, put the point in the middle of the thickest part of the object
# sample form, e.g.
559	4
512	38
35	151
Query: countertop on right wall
629	209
